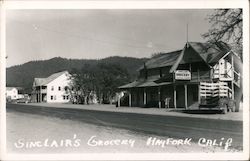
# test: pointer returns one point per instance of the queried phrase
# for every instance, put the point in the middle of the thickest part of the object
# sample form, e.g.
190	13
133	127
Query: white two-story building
53	89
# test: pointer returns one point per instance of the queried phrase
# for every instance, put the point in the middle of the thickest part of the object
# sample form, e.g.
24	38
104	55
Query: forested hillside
23	75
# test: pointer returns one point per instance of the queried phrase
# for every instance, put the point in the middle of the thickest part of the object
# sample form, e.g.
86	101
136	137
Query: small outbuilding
11	93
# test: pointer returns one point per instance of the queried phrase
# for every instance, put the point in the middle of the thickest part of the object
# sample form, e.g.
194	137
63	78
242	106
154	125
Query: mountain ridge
24	74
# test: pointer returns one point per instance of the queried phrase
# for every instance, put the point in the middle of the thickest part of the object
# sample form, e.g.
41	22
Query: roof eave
201	57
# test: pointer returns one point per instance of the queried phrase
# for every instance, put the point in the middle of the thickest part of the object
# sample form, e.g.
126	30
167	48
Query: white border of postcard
167	4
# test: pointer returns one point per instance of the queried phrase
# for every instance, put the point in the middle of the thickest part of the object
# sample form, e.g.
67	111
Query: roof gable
190	56
210	53
196	51
207	52
45	81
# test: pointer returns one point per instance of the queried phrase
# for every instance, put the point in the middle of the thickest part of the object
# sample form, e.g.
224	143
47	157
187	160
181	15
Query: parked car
22	100
26	99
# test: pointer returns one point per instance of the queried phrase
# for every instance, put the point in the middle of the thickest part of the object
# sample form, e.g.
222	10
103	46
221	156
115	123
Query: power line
85	37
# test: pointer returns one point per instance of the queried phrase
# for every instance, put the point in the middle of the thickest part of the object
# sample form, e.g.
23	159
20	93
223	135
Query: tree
226	26
154	55
83	84
101	80
110	76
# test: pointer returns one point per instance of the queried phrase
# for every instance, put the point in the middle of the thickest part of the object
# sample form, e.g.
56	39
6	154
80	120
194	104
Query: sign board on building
182	75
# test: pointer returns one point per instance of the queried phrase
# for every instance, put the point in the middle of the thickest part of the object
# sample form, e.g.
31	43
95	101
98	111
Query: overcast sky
91	34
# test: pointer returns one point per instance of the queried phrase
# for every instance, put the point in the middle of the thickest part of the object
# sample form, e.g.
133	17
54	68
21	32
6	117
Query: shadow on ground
205	112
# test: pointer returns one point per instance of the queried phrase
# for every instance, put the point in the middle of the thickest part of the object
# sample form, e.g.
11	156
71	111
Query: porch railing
220	89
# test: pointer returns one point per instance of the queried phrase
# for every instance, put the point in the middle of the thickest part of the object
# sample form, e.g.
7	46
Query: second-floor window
52	88
59	88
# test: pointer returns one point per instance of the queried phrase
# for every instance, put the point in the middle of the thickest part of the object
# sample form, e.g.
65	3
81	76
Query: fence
219	89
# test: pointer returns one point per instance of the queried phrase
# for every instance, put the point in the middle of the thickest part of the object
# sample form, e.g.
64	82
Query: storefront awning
144	83
129	85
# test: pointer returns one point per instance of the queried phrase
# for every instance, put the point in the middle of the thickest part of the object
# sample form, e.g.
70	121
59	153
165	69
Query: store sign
182	75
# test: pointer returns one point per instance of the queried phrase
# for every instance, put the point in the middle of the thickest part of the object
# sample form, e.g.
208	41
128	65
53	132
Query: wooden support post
159	97
41	96
199	94
145	97
232	86
232	63
232	82
119	101
174	96
198	74
130	98
185	88
219	69
211	72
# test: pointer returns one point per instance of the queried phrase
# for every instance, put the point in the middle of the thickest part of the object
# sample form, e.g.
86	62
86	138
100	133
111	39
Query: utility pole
187	35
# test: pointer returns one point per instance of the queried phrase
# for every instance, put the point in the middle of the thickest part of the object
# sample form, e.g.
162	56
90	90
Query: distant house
11	93
53	89
176	78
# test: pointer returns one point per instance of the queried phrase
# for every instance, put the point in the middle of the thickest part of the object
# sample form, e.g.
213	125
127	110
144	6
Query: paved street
208	114
139	125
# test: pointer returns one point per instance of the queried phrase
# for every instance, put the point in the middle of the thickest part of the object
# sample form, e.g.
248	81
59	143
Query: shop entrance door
180	96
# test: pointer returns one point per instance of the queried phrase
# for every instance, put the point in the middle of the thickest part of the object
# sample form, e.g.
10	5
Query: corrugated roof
177	61
210	53
45	81
151	82
144	83
130	85
164	59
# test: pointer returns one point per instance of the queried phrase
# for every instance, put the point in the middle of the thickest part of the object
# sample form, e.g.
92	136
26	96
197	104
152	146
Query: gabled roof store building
178	76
